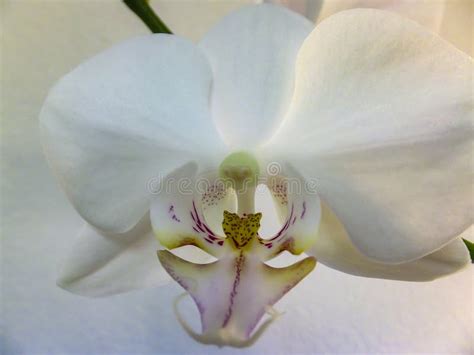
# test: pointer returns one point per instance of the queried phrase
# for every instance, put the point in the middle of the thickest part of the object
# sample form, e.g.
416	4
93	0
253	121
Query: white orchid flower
371	109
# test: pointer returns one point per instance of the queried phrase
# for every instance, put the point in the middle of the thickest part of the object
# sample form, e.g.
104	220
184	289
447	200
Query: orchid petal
122	119
103	264
233	293
428	13
334	249
252	53
382	116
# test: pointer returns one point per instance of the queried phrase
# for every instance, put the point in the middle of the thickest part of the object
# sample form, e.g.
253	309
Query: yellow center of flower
241	230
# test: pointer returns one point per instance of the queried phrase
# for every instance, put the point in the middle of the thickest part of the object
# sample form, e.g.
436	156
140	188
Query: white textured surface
328	312
452	19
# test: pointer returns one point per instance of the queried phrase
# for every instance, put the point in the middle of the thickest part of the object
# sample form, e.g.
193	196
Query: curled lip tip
224	337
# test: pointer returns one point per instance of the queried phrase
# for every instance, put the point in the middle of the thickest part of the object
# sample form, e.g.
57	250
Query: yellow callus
241	230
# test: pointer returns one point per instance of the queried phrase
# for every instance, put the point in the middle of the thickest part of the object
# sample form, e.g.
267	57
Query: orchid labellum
367	117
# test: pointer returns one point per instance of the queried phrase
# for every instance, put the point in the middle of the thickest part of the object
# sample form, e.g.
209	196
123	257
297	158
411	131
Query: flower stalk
145	12
470	247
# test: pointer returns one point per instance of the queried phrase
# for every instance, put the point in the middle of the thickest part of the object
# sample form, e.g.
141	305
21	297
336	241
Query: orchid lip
235	292
223	299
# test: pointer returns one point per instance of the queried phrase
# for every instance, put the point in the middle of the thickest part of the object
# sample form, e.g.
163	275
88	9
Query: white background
328	312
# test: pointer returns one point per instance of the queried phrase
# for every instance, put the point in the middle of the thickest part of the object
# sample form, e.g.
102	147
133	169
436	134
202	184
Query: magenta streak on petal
199	226
285	226
200	229
294	220
169	268
238	269
280	231
198	220
304	210
208	229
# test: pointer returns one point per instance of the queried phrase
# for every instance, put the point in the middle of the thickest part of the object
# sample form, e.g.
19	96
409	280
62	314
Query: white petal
334	249
252	54
381	118
428	13
102	264
123	119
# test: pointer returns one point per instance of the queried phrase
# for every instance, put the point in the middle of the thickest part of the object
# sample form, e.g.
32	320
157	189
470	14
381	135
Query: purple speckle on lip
173	214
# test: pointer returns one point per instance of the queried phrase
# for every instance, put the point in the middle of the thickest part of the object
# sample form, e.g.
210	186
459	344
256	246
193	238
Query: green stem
143	10
470	247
